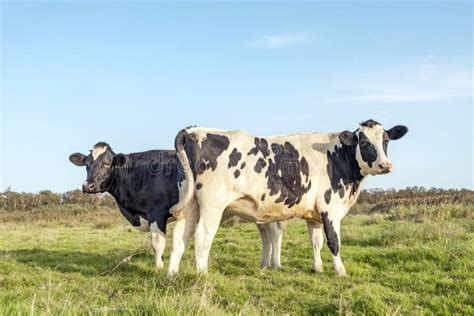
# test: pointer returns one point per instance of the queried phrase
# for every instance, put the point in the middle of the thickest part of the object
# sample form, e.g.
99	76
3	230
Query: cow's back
148	181
259	178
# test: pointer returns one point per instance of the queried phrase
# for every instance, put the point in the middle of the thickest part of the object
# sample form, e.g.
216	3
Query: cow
316	177
145	186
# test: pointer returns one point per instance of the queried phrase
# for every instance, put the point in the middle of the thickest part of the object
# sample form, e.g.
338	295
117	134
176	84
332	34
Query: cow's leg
276	232
316	239
332	225
158	242
158	238
183	229
206	230
266	245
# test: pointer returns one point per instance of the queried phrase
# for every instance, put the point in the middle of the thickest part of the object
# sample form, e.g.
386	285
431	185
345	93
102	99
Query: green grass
65	265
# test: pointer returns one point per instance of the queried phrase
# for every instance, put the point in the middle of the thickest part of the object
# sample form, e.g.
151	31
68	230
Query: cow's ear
78	159
348	138
397	132
119	160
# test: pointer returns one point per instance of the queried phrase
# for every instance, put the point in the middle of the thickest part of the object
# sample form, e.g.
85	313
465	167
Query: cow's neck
355	170
345	166
115	189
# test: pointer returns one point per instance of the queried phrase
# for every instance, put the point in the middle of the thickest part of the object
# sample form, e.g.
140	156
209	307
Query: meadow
403	259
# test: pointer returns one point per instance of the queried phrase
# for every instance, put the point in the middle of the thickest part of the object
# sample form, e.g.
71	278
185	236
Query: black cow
144	185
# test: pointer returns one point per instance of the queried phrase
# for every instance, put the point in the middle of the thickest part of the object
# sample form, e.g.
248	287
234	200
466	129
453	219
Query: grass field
63	260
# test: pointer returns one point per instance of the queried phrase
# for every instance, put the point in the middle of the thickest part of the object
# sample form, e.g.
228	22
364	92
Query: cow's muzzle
89	187
385	167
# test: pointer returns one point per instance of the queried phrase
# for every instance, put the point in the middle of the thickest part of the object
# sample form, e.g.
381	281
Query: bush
423	213
14	201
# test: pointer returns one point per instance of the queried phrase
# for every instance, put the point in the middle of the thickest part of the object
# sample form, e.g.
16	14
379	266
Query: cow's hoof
341	272
318	269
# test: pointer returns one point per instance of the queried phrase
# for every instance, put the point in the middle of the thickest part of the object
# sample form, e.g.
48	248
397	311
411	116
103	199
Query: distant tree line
382	200
378	199
15	201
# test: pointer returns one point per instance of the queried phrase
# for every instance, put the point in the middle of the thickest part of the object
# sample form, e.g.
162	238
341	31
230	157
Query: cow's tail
186	190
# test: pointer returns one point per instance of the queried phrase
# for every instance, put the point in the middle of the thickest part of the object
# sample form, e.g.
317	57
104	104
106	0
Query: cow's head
99	165
371	141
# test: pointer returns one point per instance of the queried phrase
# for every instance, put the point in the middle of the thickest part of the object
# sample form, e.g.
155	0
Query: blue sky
133	74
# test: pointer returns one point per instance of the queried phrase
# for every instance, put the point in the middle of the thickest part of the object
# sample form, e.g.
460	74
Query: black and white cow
313	176
145	186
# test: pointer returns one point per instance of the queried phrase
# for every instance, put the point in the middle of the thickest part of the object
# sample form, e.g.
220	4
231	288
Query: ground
72	262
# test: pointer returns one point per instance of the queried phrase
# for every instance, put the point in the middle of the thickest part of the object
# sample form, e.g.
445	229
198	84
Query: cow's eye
363	143
386	141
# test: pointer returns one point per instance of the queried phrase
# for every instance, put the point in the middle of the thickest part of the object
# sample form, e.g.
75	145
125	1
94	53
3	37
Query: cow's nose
385	166
88	186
